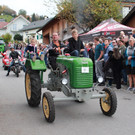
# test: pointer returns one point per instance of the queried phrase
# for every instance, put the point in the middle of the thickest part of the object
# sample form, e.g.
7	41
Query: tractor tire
109	103
33	87
48	107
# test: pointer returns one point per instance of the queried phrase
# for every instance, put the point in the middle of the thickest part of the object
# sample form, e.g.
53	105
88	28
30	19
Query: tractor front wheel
33	87
48	107
109	103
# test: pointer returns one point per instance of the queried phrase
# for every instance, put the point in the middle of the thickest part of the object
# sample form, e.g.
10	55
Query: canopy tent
106	28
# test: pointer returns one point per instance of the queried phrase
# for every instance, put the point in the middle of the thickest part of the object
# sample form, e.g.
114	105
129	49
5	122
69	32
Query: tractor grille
83	80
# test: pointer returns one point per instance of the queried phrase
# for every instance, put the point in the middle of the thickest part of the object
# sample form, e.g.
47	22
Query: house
127	6
30	31
61	26
14	26
129	19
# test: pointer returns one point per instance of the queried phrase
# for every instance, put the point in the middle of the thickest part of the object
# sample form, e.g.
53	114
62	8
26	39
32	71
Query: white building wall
32	33
2	32
14	27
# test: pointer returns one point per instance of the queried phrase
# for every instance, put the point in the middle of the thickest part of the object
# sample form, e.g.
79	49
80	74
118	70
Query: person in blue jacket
130	63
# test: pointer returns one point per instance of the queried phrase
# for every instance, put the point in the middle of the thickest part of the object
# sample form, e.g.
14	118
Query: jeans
99	69
12	63
124	75
76	53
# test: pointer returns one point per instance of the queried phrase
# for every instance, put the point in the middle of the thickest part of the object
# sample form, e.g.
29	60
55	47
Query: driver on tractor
14	55
54	50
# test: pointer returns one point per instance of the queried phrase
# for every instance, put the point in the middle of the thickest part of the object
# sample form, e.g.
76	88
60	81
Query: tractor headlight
100	79
64	81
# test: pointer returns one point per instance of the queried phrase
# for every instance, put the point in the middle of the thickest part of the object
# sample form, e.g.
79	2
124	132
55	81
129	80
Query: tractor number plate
85	69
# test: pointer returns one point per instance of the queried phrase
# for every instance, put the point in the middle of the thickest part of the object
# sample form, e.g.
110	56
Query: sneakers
133	90
42	57
130	89
7	74
34	58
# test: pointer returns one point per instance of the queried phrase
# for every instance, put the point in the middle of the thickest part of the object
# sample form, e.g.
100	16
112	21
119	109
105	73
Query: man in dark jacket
14	55
76	46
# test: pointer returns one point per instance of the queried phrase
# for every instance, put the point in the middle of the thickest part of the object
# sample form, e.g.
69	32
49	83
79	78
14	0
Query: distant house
14	26
129	19
127	6
30	31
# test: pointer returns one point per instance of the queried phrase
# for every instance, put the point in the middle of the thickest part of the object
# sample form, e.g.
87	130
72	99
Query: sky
31	6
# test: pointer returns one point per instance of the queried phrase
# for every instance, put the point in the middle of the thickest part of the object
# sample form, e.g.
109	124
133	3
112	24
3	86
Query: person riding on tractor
32	50
76	46
14	55
54	50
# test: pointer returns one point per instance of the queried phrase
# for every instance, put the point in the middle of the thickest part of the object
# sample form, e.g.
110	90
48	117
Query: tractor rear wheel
109	103
33	87
48	107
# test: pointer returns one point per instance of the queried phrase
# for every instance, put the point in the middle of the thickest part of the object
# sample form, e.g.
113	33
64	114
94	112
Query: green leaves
88	13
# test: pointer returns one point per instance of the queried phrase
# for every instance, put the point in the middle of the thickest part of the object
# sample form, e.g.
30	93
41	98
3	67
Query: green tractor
2	45
74	77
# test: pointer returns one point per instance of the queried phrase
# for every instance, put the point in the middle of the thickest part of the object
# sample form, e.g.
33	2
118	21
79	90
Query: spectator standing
117	66
99	59
122	50
110	41
108	72
130	63
91	56
133	33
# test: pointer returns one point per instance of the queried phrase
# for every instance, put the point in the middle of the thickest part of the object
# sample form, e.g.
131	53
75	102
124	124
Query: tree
8	11
18	37
1	9
22	12
88	13
33	17
7	38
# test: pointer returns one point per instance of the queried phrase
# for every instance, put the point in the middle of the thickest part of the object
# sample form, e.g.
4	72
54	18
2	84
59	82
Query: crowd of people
113	58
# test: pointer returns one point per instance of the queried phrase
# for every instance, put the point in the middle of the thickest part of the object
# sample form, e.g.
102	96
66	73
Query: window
14	27
125	11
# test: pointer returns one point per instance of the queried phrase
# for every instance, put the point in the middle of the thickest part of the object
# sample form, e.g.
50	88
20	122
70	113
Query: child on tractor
32	50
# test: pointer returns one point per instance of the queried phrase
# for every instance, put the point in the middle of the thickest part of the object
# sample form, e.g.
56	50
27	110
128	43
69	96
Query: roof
20	16
2	24
128	16
36	24
50	19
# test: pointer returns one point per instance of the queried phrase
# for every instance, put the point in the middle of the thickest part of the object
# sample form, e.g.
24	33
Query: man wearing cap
14	55
110	41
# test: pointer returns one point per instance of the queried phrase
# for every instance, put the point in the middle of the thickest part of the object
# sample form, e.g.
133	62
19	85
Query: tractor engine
71	73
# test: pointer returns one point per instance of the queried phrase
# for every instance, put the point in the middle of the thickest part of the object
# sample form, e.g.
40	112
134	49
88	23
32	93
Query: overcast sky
31	6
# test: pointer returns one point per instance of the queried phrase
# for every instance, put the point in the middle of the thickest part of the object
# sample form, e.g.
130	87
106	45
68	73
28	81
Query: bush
7	38
18	37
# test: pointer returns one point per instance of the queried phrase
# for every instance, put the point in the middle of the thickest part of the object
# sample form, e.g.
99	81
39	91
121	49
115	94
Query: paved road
17	118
